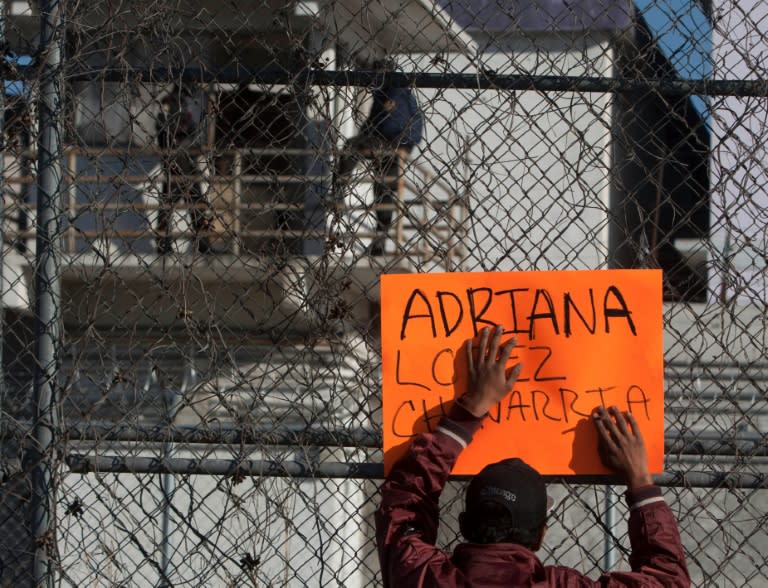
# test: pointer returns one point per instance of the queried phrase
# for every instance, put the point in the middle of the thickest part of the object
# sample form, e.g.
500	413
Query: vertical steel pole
168	480
168	485
609	557
3	151
43	458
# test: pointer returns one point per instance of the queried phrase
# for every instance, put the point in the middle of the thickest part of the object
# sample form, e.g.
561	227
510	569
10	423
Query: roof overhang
369	29
378	28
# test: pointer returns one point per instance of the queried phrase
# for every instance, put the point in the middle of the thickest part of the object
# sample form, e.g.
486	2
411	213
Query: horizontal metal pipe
360	470
679	443
726	395
482	79
222	467
246	178
721	409
722	374
154	151
678	366
210	434
735	446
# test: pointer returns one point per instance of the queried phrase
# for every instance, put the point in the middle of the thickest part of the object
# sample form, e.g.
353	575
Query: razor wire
195	219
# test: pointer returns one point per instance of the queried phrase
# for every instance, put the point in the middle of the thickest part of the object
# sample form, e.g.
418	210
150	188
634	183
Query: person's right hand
489	379
621	446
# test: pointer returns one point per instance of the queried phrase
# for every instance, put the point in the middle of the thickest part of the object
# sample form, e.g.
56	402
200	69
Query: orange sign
585	338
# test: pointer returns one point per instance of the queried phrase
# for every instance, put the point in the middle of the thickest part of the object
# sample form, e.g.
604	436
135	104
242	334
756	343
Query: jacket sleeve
657	557
407	519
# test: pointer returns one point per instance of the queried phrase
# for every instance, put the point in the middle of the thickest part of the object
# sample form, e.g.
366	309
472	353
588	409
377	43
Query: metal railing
428	212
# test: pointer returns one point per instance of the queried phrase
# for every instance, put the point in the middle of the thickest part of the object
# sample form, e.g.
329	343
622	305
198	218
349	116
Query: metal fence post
47	296
2	224
609	547
168	479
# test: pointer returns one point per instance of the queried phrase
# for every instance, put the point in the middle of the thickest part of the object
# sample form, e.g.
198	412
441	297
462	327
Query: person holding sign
506	503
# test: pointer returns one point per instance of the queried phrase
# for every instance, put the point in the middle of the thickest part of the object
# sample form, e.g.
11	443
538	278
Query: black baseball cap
517	487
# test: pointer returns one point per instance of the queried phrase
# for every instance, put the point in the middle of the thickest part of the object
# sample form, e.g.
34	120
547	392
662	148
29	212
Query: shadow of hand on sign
584	446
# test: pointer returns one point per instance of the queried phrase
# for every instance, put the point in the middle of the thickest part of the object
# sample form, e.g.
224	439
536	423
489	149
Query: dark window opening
661	184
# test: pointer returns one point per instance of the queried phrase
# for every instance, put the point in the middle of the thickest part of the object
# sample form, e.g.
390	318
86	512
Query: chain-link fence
199	198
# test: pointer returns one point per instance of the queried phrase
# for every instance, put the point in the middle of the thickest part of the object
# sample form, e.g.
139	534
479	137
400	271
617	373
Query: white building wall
739	168
538	163
302	532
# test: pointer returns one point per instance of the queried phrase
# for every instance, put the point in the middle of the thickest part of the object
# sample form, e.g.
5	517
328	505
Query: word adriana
558	404
530	309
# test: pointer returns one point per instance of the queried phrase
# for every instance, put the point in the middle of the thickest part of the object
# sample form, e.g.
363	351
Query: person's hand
621	446
489	379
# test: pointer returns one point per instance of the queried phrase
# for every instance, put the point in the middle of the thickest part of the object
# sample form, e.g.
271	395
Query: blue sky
683	34
17	88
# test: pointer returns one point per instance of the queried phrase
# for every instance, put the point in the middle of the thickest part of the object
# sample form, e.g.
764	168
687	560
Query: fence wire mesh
199	198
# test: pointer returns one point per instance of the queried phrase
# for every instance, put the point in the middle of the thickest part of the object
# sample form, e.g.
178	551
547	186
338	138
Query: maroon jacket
407	520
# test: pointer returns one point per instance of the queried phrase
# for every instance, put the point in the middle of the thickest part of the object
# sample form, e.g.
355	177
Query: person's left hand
489	379
621	446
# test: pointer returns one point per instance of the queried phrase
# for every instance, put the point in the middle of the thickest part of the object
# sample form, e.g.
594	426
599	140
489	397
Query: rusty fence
199	199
